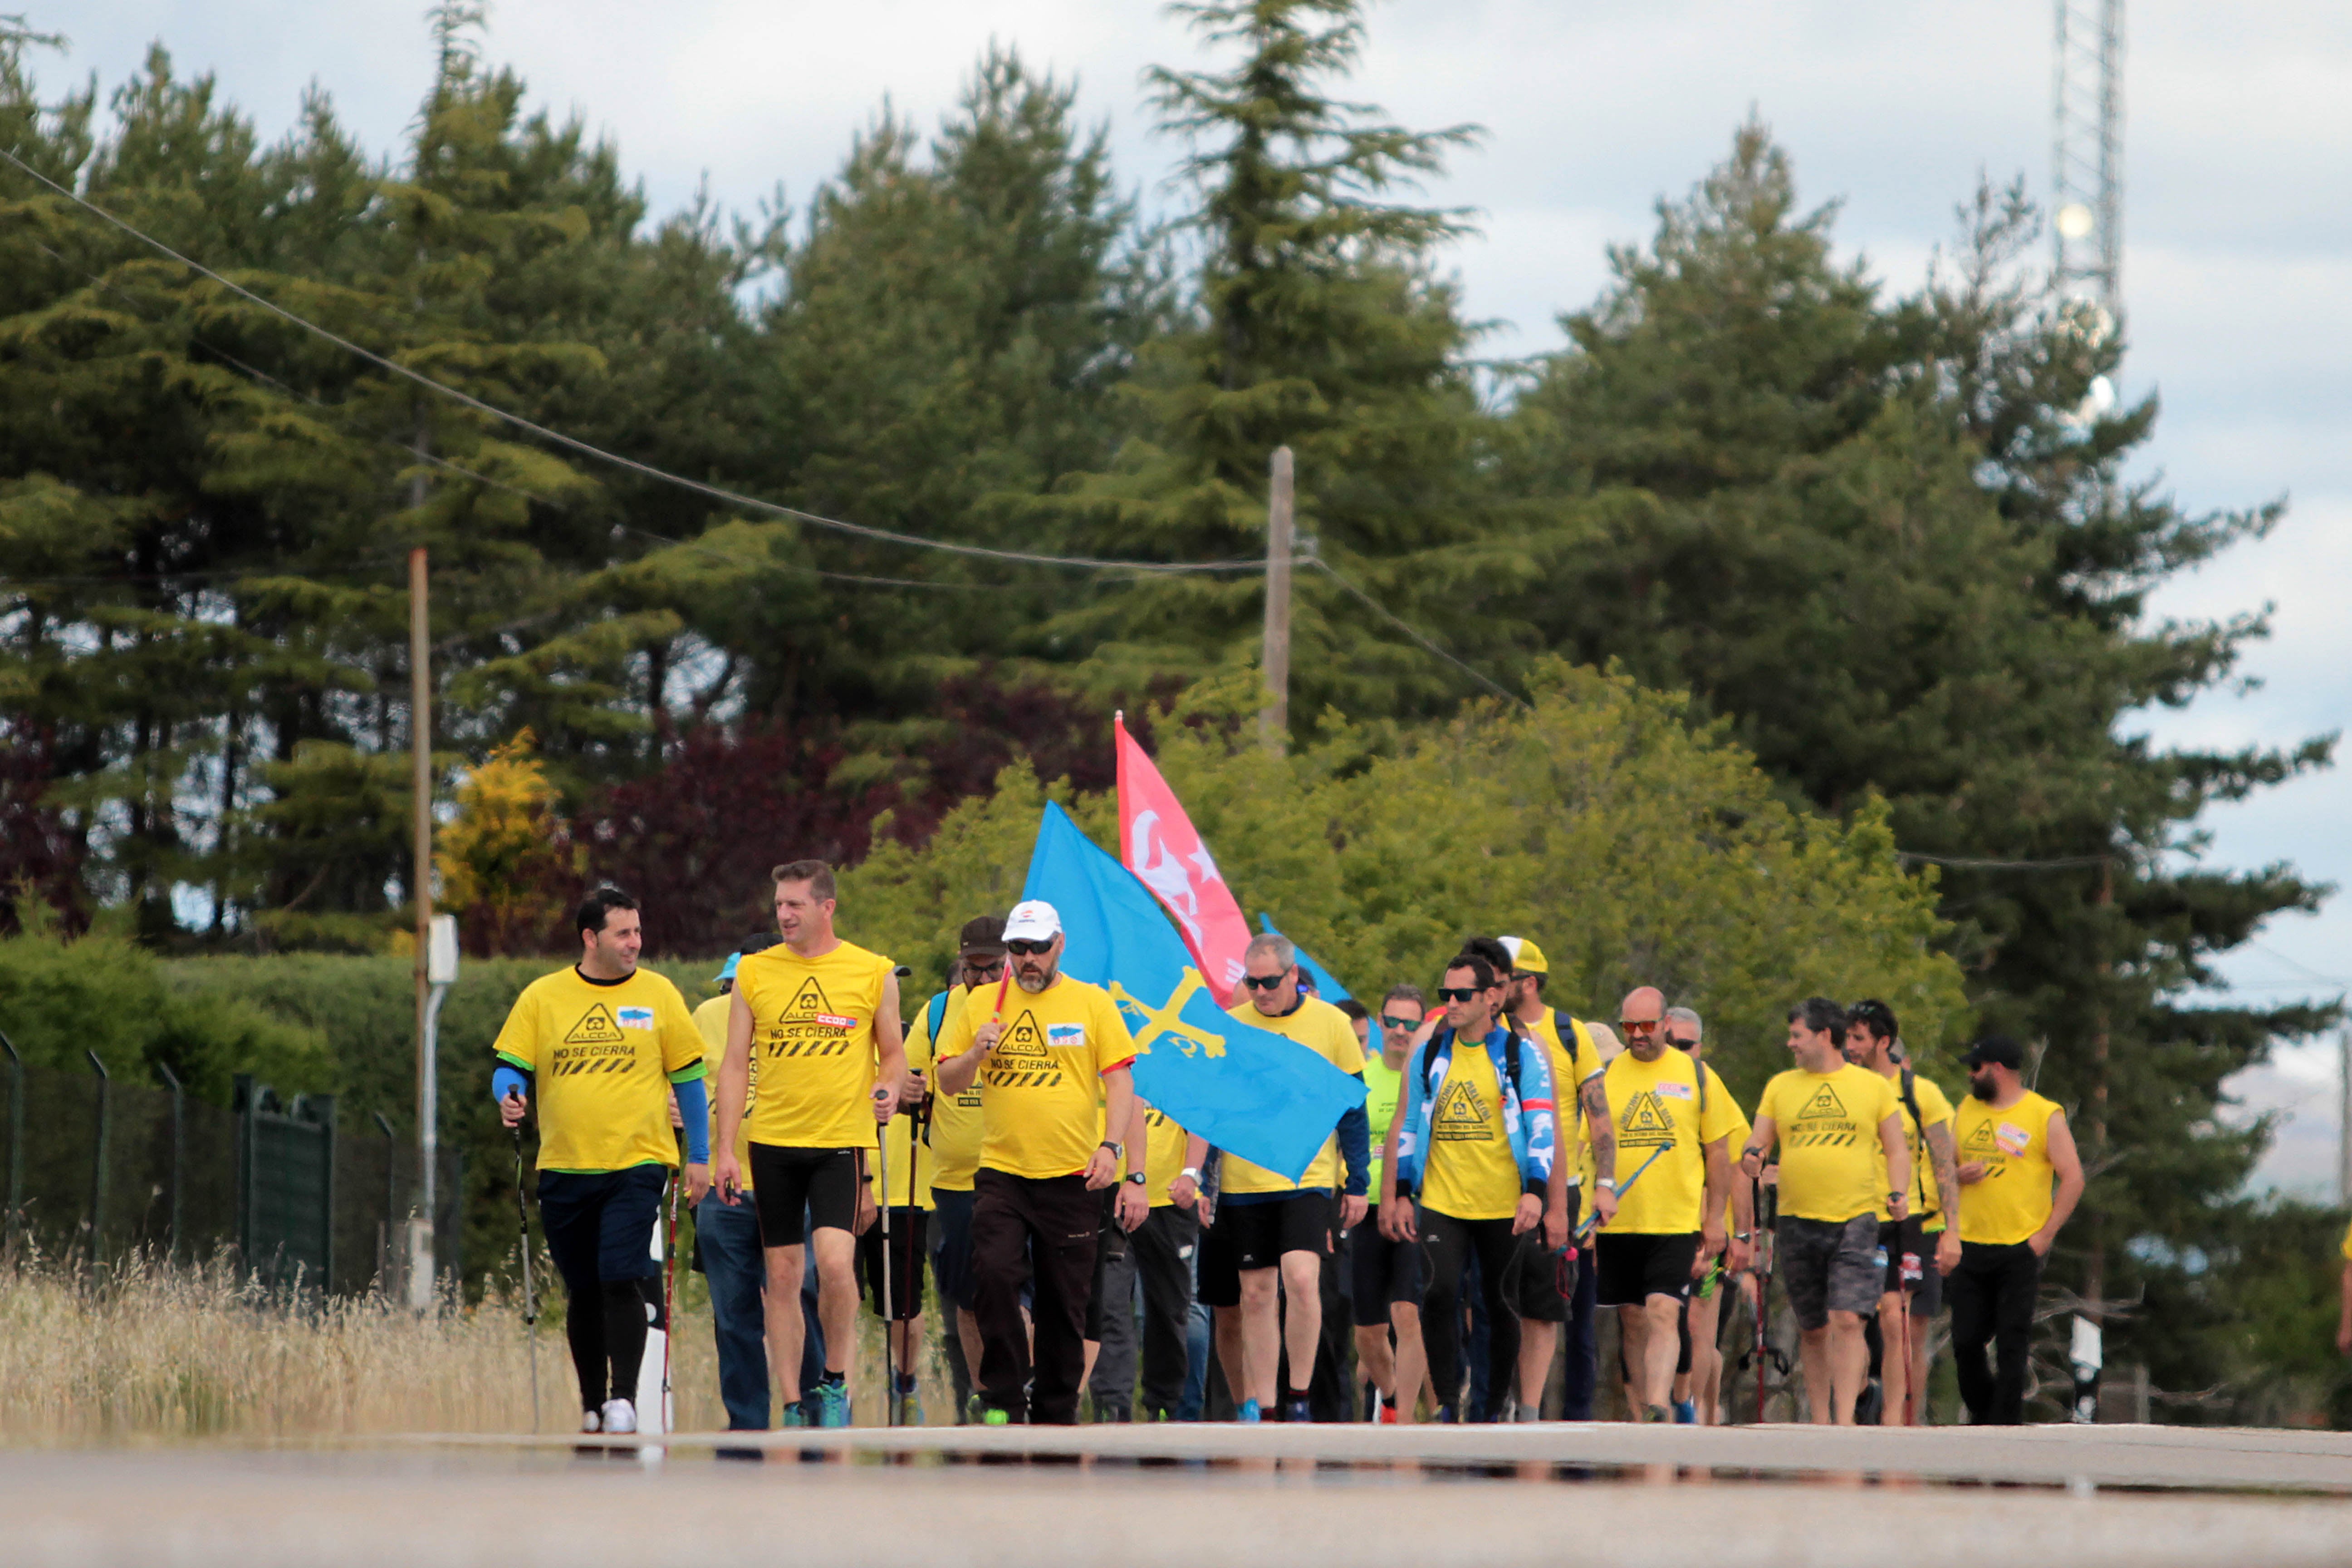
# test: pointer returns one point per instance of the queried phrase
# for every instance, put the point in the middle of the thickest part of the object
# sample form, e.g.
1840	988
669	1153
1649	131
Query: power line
1966	863
1411	630
572	443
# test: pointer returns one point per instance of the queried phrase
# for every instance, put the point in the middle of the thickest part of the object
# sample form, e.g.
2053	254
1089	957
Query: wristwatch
1117	1150
1190	1174
1609	1181
1135	1176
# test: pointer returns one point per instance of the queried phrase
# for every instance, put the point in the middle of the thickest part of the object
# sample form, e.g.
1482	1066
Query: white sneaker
591	1421
620	1415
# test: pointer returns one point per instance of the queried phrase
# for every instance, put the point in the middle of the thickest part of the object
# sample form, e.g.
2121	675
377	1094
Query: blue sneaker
1686	1412
794	1415
833	1403
1296	1410
1248	1415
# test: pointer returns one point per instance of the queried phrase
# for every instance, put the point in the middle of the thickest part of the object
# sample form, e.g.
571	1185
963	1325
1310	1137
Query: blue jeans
733	1262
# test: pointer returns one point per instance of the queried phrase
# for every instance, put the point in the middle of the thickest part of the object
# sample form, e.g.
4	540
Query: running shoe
911	1407
1686	1412
1387	1413
1656	1413
1298	1410
832	1408
794	1415
991	1417
620	1415
592	1421
1248	1415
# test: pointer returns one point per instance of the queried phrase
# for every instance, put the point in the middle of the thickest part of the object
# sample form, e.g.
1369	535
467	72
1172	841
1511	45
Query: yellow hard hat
1526	958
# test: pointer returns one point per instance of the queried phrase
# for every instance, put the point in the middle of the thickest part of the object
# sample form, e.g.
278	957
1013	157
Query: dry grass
139	1351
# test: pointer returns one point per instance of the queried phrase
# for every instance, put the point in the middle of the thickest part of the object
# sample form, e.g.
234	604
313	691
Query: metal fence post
179	1159
15	1139
97	1158
244	1100
326	1105
390	1206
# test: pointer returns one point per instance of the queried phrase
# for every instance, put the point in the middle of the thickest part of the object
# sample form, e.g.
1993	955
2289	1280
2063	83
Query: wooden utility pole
420	743
1274	719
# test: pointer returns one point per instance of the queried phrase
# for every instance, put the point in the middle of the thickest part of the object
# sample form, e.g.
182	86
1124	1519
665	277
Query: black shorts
951	1244
908	1237
1918	1268
1217	1281
1382	1273
1260	1234
790	1183
1633	1267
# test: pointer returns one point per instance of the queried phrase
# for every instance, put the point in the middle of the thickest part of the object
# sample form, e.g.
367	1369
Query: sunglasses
1407	1025
983	965
1021	947
1458	994
1638	1025
1680	1044
1265	982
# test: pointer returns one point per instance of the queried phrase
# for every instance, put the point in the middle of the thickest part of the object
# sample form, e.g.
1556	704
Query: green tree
1882	539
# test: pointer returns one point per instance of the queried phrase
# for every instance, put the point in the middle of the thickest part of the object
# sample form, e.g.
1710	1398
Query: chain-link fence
96	1167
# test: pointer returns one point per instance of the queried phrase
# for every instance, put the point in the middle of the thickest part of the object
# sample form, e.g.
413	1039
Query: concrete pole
1274	719
420	742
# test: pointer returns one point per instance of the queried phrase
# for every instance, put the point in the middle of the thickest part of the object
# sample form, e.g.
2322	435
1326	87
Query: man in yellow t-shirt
1586	1167
1467	1169
951	1130
727	1242
1675	1120
823	1016
2344	1290
1264	1221
1052	1073
2022	1179
1828	1116
1920	1249
605	1043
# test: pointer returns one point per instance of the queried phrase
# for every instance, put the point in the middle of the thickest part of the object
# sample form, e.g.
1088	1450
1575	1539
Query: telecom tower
2088	173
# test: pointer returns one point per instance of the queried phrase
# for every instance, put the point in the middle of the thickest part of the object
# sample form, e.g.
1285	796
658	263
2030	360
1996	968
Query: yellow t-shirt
1662	1134
602	1057
1833	1165
1934	1111
812	1028
955	1118
1041	1094
1324	1030
1571	1063
2348	1246
2013	1199
710	1023
1163	1154
1469	1172
1732	1145
907	1168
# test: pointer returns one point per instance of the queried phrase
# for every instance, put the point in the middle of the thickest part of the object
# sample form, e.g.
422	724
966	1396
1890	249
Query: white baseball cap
1033	920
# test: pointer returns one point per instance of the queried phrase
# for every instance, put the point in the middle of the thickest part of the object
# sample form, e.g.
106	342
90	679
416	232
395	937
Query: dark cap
760	943
1998	1050
982	938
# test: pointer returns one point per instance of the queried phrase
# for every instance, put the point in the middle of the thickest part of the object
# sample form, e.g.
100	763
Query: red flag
1156	842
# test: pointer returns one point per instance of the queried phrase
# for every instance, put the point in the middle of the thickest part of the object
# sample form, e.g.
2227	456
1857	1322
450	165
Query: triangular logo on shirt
596	1027
1824	1102
808	1001
1461	1114
1024	1039
1646	1115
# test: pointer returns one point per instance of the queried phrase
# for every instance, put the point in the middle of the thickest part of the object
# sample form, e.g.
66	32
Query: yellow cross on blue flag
1273	1101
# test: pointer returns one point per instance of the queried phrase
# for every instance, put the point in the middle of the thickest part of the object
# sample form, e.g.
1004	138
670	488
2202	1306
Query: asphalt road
1209	1497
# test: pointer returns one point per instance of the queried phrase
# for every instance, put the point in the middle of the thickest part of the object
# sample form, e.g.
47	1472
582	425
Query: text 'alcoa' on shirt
1324	1030
813	1029
1041	1092
2013	1200
1833	1164
1663	1123
600	1057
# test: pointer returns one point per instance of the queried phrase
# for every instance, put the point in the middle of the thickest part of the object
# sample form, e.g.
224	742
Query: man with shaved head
1674	1126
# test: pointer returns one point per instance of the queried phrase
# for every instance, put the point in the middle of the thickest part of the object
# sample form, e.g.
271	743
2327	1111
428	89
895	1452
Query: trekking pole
529	1298
1765	1204
669	1308
889	1373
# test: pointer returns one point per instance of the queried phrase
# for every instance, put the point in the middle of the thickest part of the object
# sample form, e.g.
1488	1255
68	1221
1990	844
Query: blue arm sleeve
507	1079
1356	1147
694	1110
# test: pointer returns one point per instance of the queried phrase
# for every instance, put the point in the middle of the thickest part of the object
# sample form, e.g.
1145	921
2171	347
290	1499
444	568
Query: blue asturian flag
1249	1091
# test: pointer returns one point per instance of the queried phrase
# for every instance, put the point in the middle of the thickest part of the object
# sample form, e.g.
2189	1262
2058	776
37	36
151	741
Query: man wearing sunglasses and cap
1051	1059
1264	1220
2022	1178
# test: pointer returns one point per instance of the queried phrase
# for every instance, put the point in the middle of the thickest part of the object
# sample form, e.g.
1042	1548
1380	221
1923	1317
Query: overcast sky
2237	271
